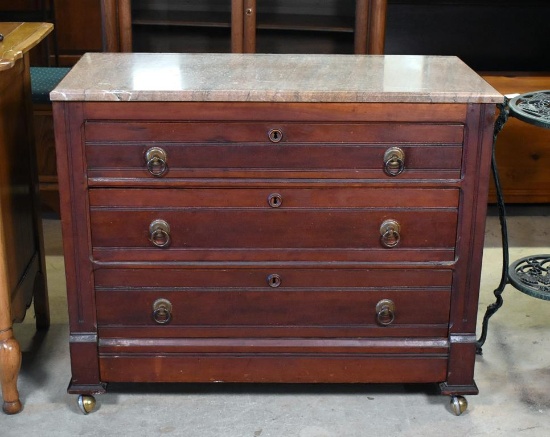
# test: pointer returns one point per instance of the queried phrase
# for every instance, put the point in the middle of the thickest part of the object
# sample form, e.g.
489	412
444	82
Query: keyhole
274	280
275	200
275	135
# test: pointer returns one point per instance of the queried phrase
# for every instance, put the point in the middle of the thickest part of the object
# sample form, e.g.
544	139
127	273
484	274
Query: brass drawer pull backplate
159	233
394	161
162	311
155	159
385	312
390	233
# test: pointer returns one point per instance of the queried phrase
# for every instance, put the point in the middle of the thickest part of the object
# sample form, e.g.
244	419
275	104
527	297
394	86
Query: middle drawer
173	224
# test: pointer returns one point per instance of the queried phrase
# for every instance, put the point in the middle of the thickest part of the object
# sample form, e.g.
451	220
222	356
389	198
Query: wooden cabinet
299	227
245	26
22	264
78	29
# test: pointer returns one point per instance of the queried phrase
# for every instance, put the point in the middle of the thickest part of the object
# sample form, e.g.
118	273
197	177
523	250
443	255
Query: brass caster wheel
86	403
459	404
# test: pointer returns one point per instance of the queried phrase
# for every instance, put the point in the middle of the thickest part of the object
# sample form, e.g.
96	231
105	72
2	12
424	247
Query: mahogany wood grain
176	277
272	229
324	257
472	218
125	25
279	368
324	241
237	26
78	30
249	26
377	30
116	25
239	132
307	196
283	112
362	15
109	26
109	163
286	305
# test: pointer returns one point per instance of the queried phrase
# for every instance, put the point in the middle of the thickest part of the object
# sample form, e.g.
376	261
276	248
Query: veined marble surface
273	78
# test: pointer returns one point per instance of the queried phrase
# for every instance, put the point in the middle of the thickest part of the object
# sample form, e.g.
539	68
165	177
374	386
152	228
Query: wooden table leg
10	352
10	363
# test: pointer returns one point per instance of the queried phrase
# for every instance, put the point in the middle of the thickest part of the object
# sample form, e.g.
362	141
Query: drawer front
252	219
273	297
189	150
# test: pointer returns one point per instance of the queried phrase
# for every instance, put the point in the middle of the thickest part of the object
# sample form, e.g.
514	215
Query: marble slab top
123	77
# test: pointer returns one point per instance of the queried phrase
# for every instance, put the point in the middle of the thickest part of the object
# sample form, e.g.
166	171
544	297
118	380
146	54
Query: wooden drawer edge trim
261	111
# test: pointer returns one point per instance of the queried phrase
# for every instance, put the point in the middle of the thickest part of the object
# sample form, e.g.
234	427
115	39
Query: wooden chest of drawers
258	219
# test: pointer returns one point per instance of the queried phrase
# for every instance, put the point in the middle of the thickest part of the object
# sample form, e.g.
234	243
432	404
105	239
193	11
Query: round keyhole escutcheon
274	280
275	135
275	200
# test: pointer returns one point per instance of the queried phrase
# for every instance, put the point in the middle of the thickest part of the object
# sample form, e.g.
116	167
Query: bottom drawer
296	368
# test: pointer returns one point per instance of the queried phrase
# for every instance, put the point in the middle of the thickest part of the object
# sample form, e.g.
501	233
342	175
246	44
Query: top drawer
160	150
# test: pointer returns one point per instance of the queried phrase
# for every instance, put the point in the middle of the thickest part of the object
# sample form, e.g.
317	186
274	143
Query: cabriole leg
10	363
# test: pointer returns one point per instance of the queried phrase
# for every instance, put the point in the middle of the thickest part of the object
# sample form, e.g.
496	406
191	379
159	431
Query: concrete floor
513	377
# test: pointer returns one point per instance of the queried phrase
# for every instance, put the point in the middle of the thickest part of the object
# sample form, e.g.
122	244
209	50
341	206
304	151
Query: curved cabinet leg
10	363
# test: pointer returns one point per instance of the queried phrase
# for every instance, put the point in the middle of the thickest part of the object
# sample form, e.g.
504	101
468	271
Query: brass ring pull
390	233
385	312
155	159
274	280
275	200
394	161
162	311
275	135
159	233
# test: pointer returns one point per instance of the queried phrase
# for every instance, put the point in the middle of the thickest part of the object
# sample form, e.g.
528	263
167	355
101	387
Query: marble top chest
273	218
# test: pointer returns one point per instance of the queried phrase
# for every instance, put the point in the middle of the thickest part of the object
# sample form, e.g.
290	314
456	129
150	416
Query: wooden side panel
74	216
